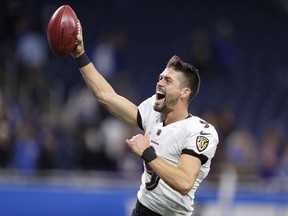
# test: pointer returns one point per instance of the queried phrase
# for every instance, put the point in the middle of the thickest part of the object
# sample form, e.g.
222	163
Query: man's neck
174	116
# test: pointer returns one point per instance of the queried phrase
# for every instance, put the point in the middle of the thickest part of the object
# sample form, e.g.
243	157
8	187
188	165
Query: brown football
62	31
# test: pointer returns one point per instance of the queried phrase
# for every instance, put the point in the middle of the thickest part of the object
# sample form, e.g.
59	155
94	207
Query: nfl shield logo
202	143
158	132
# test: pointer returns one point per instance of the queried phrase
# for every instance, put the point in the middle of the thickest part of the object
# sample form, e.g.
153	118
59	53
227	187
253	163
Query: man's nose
160	83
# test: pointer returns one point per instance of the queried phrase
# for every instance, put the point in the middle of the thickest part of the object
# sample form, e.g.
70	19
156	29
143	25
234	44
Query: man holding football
176	147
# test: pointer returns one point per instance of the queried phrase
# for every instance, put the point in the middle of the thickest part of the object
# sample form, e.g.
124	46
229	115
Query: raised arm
101	89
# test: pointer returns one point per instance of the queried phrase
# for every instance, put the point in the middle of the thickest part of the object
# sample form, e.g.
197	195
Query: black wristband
82	60
149	154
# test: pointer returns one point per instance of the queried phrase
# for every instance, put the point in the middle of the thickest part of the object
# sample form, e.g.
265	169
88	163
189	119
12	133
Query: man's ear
185	93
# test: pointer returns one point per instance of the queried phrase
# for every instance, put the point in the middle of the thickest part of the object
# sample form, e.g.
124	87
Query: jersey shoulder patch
202	143
201	136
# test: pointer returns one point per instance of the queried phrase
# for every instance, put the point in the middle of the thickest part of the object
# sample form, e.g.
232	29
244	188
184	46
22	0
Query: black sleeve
201	157
139	120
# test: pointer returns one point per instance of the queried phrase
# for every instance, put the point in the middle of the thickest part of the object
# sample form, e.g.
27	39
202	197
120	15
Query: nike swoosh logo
203	133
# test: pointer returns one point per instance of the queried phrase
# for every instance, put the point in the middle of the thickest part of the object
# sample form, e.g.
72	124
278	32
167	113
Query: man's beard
160	108
165	107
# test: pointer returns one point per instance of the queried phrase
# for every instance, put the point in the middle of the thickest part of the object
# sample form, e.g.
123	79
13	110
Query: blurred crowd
50	120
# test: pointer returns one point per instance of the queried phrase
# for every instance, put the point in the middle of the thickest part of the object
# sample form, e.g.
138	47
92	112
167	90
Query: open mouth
160	95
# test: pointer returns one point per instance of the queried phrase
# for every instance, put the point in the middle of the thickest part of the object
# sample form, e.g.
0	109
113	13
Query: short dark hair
191	74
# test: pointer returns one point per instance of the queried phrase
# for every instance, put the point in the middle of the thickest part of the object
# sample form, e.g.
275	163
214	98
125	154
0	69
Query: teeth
159	95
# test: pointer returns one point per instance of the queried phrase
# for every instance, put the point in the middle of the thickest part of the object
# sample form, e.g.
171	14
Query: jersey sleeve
144	112
201	144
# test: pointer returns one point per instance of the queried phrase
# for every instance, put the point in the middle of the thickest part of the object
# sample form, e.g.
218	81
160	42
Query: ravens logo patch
202	143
